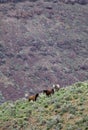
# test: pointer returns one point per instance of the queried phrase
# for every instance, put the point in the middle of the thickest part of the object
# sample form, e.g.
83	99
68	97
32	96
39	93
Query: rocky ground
42	42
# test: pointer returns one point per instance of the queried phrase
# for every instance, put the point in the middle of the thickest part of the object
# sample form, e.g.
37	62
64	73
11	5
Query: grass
67	109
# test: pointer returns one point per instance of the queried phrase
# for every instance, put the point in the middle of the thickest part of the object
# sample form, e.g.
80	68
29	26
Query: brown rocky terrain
42	42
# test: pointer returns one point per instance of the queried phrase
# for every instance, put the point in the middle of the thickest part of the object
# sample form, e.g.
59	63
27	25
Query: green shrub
72	127
75	96
59	126
57	105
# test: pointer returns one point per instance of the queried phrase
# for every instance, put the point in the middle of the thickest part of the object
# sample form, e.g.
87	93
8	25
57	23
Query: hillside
66	109
42	42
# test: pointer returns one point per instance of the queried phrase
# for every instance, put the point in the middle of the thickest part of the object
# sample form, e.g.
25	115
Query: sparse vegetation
61	111
43	42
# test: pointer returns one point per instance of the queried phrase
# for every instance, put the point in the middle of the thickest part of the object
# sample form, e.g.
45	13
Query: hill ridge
66	109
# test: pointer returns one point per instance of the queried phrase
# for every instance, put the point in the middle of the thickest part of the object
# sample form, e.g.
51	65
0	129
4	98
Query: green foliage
71	127
49	113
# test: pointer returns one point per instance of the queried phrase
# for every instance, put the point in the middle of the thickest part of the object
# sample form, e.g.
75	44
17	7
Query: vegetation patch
66	109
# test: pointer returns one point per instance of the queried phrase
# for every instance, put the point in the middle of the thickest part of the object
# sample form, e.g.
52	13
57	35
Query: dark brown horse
33	97
48	92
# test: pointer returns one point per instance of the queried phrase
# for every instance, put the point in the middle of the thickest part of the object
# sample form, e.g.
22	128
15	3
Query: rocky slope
41	43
